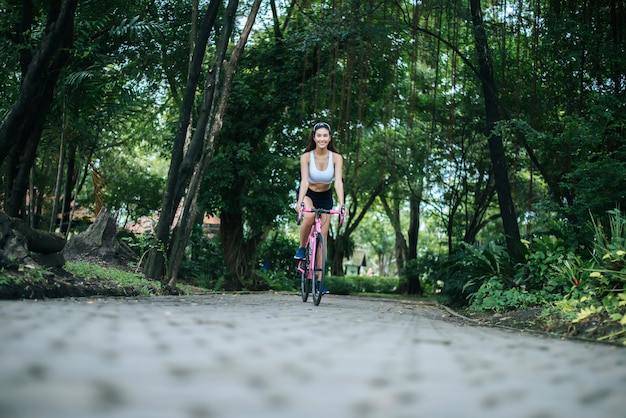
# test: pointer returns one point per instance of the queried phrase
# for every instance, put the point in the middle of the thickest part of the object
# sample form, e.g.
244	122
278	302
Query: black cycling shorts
321	200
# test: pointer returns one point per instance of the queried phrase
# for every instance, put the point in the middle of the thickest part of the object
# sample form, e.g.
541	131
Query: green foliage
139	243
423	268
604	292
458	277
346	285
279	280
6	279
203	265
29	277
131	186
566	285
276	253
610	247
276	262
341	285
123	278
551	265
495	296
551	270
375	284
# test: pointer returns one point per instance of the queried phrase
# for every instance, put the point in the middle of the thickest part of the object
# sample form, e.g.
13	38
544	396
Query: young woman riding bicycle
319	164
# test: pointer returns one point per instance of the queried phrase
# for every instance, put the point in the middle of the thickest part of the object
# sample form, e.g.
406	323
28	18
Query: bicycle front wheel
305	282
319	270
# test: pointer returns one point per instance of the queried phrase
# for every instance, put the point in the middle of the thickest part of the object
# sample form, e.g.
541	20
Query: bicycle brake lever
299	221
342	216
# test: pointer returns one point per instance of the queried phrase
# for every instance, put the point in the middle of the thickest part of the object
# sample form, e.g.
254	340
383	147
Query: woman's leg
305	225
325	228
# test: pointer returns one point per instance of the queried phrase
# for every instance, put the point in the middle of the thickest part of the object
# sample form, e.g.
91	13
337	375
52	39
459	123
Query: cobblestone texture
271	356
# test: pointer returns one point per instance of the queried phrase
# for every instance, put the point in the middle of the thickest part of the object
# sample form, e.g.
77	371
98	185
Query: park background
484	141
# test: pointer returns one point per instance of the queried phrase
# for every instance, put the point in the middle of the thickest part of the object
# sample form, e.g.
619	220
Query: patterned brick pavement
270	355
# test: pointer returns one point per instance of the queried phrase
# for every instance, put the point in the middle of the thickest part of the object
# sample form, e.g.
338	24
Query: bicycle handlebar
327	211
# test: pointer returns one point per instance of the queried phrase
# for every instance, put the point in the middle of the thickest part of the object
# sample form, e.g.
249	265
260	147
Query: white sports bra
321	177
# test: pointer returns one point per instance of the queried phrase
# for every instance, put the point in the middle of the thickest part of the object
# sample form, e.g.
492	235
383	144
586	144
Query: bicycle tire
305	283
319	264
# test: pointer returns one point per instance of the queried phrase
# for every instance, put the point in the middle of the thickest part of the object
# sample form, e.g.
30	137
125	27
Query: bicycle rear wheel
319	270
305	282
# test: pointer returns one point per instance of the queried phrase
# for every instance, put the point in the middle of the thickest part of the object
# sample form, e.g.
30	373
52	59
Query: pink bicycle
314	264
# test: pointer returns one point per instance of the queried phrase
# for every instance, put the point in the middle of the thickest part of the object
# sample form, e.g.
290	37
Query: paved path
271	356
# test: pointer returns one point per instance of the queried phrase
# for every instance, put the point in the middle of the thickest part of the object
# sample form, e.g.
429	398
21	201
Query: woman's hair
310	145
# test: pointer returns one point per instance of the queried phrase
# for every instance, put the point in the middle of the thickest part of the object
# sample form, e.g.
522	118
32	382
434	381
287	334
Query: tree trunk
180	237
414	284
37	240
481	204
238	253
496	146
211	130
20	244
21	130
100	243
59	176
71	179
401	247
179	174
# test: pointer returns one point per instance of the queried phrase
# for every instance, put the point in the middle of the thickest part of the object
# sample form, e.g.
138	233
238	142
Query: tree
496	146
21	129
209	125
182	163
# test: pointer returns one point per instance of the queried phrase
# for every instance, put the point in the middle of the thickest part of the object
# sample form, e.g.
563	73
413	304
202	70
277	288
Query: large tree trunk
496	146
239	253
100	243
22	245
179	174
401	247
21	130
211	131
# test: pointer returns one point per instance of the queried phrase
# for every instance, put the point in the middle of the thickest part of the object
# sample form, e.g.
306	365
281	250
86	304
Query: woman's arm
338	161
304	179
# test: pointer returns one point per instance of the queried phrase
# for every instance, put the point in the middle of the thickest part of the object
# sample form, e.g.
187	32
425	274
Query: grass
123	278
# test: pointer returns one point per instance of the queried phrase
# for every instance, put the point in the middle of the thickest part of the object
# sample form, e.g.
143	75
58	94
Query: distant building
146	224
352	266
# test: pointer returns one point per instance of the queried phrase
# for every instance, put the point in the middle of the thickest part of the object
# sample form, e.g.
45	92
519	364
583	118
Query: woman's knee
308	219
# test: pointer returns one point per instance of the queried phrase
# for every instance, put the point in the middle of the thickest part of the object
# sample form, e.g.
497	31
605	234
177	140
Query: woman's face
322	137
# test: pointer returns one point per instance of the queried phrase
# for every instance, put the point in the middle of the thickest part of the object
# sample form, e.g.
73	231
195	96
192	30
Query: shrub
203	265
276	253
609	250
604	291
341	285
459	276
280	280
345	285
375	284
139	243
494	296
551	265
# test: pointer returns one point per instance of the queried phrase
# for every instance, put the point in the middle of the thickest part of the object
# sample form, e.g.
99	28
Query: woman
319	164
